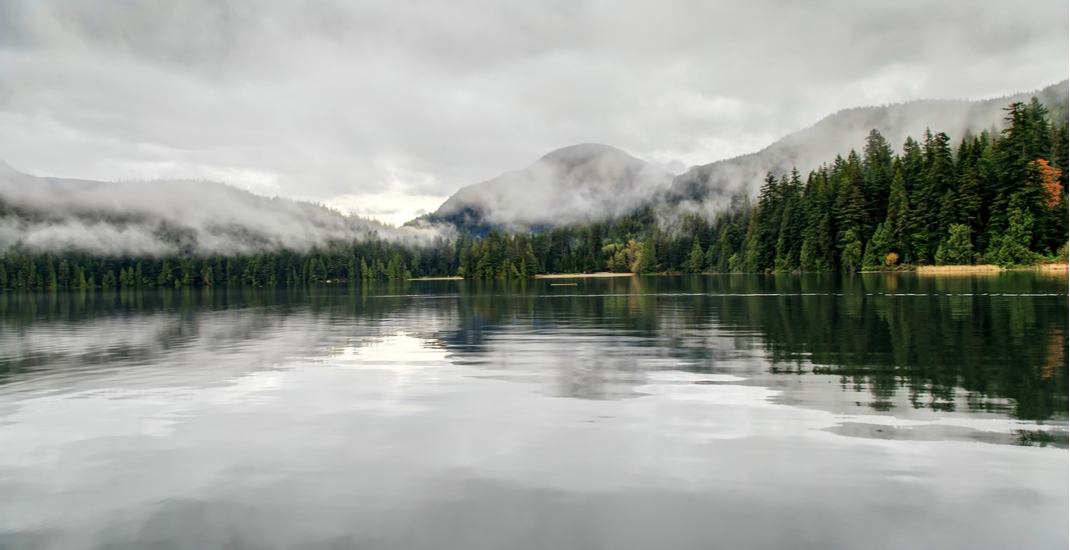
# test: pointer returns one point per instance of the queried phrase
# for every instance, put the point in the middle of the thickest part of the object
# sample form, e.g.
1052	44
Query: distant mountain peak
582	151
575	184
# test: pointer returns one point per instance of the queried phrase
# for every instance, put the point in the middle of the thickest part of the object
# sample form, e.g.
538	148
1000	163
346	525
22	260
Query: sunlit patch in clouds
390	206
400	197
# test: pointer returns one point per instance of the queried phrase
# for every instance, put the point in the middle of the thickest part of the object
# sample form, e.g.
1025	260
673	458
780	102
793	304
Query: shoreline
598	275
990	269
928	270
958	269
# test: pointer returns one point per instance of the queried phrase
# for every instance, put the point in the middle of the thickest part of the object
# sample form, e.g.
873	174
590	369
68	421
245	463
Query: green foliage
851	259
1012	247
696	260
956	249
648	262
880	244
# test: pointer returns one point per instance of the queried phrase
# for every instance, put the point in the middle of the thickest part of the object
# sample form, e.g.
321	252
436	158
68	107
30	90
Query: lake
735	411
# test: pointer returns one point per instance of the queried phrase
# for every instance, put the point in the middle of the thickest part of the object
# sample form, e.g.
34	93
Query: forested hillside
704	188
995	197
991	198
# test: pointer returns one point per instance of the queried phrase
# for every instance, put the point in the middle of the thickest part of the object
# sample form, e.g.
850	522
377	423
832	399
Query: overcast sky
385	108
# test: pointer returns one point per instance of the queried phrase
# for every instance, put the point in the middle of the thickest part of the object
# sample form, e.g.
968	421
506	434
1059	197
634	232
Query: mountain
576	184
159	218
709	186
591	182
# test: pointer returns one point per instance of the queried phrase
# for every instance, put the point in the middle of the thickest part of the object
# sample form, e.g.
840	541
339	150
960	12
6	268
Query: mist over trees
578	184
995	197
171	218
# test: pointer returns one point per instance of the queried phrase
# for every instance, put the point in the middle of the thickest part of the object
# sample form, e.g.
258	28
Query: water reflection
980	344
626	413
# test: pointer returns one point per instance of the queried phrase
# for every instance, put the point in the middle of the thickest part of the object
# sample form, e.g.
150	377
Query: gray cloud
386	108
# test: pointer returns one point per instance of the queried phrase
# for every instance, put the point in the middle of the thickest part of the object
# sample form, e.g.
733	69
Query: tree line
997	197
363	261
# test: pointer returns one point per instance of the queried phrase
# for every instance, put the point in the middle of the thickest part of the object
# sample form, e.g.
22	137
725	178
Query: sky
384	109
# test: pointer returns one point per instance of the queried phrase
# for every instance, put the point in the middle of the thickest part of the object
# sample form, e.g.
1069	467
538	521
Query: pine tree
365	270
108	281
956	249
51	278
647	257
949	209
791	226
877	165
1012	247
709	259
352	271
969	199
752	249
207	277
165	278
878	247
696	259
851	257
851	215
899	218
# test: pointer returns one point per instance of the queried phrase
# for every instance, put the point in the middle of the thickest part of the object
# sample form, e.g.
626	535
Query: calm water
709	412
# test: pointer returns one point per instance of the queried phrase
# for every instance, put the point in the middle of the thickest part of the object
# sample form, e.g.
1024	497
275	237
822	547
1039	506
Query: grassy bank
1048	268
598	275
958	269
1052	268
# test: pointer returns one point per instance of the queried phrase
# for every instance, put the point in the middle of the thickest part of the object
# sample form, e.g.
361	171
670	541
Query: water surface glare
874	411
